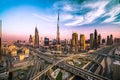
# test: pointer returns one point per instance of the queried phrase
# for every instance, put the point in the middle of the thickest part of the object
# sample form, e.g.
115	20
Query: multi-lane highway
77	71
99	58
70	68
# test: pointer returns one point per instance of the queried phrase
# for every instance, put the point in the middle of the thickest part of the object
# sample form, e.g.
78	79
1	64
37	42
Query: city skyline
20	18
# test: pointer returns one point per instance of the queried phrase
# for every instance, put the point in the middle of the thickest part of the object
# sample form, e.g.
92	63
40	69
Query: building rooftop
116	62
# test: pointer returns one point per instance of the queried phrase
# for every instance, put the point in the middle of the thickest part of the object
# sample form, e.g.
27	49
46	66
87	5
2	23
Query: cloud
112	13
90	12
67	8
77	21
45	18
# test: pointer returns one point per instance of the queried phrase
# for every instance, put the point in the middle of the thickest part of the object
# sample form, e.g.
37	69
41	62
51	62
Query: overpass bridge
21	67
70	68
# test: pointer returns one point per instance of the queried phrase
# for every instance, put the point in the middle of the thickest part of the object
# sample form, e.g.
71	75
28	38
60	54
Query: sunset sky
20	17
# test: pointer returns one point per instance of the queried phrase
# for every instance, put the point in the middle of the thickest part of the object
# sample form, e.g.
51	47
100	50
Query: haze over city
19	18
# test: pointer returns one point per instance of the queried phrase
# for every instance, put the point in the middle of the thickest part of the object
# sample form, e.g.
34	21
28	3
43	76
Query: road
70	68
93	67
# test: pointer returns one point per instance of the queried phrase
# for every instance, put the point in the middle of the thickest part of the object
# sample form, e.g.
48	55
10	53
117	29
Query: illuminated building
21	57
11	47
75	42
14	52
82	42
26	51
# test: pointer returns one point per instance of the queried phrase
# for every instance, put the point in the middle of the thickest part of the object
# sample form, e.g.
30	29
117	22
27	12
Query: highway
37	65
93	67
77	71
20	67
50	66
70	68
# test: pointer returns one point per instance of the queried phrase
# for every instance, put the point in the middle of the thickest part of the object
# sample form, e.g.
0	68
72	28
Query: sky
20	17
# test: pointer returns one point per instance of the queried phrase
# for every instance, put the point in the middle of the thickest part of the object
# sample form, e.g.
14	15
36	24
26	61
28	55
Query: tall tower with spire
58	33
36	39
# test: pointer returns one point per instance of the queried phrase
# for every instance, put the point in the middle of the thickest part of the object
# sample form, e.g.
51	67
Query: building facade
75	42
91	41
36	39
82	42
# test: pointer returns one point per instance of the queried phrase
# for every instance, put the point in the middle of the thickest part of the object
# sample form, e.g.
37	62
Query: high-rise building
30	39
95	39
111	39
58	46
103	41
58	33
91	41
46	41
82	42
108	40
75	42
99	40
117	41
36	40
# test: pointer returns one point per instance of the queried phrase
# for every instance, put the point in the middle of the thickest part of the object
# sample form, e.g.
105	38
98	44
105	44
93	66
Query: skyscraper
82	42
111	39
99	40
108	40
46	41
75	42
36	40
91	41
95	39
30	39
58	33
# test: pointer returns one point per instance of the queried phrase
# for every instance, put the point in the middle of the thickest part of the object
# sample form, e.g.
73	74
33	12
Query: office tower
117	41
91	41
30	39
108	40
111	39
58	33
75	42
36	39
99	40
46	41
82	42
103	41
95	39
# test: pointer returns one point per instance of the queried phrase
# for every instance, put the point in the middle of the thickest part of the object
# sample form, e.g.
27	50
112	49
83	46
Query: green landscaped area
83	61
59	76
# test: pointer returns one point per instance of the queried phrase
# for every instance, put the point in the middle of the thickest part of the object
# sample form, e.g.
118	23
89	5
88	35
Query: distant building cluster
18	53
76	44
